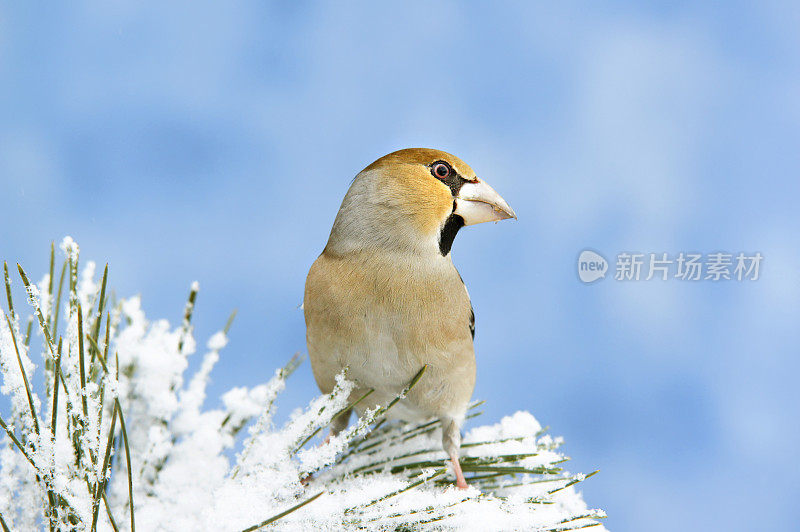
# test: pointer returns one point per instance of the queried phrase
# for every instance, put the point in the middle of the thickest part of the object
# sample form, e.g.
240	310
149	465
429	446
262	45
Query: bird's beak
477	202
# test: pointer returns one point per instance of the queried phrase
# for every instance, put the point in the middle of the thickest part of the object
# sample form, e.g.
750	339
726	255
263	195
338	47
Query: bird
384	298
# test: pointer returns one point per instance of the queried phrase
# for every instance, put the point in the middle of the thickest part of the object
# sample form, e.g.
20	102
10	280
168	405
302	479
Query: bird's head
415	199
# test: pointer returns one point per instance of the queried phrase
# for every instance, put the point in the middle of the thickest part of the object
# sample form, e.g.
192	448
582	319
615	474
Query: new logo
591	266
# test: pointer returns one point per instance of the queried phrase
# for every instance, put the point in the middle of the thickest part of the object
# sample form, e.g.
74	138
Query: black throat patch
449	231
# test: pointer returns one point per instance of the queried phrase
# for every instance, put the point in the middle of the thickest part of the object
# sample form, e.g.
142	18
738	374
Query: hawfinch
383	299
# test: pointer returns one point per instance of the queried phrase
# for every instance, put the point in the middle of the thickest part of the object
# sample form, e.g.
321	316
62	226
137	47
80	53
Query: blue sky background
187	141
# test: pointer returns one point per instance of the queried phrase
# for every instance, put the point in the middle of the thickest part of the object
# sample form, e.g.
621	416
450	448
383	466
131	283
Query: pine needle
24	378
283	514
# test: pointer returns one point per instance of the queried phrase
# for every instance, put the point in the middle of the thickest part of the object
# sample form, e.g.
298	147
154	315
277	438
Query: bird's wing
471	308
472	321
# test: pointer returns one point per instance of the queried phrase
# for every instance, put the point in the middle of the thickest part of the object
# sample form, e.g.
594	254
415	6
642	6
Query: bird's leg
451	441
338	424
461	482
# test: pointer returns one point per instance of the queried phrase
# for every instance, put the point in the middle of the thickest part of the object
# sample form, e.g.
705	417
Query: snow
217	342
375	475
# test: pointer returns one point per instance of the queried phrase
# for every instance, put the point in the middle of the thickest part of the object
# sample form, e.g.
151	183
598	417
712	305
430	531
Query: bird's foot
461	482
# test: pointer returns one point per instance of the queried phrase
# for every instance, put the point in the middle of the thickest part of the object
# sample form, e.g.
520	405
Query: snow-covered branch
121	438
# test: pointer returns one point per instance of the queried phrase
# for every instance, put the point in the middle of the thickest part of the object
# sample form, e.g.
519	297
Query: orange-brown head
414	199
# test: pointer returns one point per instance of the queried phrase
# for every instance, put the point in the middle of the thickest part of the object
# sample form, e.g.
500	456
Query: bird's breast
384	318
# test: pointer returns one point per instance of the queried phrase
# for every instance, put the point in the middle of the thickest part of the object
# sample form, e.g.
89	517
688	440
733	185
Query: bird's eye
441	170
